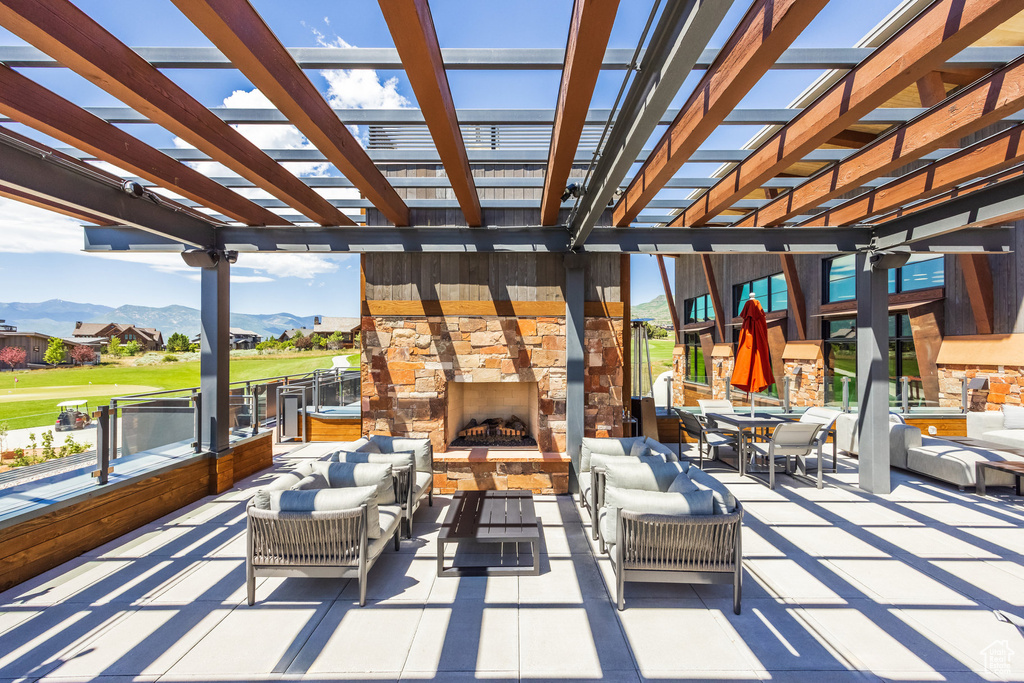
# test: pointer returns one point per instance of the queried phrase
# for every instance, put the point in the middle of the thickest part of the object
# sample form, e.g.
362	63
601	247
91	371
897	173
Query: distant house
36	343
240	339
325	326
293	333
149	338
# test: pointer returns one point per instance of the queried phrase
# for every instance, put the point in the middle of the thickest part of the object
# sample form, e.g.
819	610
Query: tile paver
839	586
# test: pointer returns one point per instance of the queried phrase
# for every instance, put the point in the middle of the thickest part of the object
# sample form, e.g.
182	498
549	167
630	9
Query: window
903	361
922	271
771	291
841	279
696	371
698	309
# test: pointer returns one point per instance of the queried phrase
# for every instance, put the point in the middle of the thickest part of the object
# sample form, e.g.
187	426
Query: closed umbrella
753	369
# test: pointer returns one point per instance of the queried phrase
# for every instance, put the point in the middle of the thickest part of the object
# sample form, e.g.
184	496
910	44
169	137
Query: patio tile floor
838	586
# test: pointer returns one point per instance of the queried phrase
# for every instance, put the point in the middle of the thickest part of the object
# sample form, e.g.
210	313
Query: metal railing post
846	394
197	403
963	395
785	393
114	447
905	394
103	467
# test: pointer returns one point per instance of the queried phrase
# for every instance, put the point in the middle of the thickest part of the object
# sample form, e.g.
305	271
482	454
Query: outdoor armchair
788	440
710	437
826	417
708	406
669	523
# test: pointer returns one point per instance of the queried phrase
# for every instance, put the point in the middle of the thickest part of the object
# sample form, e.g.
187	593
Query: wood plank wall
485	277
39	544
344	429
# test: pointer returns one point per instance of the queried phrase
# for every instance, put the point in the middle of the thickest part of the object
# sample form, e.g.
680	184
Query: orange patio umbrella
753	370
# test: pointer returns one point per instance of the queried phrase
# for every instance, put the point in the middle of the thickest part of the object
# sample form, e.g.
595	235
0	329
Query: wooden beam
33	105
963	77
854	139
412	28
978	278
589	30
70	36
593	309
990	155
939	32
968	111
764	33
669	298
52	205
241	34
797	303
716	300
931	89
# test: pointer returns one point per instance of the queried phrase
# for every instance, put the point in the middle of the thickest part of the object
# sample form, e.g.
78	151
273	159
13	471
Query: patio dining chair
788	440
710	437
826	417
717	405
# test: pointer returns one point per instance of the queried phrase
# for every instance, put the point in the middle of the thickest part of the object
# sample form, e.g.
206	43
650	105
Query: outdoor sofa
423	460
322	520
1004	427
667	522
615	447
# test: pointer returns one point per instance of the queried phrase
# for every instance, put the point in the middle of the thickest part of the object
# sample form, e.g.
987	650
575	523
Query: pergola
868	162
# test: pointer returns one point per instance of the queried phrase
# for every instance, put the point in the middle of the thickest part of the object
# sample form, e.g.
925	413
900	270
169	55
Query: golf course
32	400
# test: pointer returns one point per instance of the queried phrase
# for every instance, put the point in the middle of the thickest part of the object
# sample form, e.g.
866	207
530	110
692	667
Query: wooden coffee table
486	518
1014	468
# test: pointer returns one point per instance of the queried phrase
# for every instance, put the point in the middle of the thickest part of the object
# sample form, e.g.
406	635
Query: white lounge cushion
647	474
401	459
345	474
651	502
639	449
725	502
1013	418
1011	438
324	500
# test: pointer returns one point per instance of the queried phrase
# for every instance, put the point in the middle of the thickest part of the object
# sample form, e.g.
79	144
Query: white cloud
24	229
303	266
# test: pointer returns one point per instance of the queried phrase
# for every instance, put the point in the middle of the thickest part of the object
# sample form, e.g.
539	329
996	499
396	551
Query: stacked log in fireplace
496	432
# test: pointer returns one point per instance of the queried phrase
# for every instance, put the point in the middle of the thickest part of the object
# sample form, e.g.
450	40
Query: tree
335	341
319	342
177	343
114	347
82	354
12	356
132	348
55	351
303	343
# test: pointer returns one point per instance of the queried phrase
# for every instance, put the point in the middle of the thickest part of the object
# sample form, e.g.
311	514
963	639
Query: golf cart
73	415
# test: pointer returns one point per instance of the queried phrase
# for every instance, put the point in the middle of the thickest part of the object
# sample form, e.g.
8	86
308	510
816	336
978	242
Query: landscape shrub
303	343
114	347
132	348
48	451
12	356
178	343
82	354
335	341
170	358
71	447
319	342
54	351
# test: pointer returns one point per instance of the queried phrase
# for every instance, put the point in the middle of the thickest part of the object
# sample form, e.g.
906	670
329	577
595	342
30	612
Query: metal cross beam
45	176
683	30
550	59
546	240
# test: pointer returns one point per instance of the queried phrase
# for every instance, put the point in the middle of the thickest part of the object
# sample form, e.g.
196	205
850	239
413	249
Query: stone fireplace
477	402
452	337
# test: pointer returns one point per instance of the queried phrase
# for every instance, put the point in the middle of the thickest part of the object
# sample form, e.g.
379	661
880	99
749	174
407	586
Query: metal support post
575	370
112	432
214	379
905	394
197	403
103	467
873	375
785	393
846	394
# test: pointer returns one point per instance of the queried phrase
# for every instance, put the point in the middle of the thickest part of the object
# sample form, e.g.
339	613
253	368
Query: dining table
746	424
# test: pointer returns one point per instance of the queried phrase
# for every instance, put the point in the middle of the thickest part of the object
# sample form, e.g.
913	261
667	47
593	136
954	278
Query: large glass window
922	271
840	359
696	371
841	279
698	309
771	291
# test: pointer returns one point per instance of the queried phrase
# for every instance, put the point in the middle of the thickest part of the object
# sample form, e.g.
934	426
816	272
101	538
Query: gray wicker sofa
323	520
423	455
668	522
632	447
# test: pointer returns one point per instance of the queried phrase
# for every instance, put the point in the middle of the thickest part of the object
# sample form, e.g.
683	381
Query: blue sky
35	241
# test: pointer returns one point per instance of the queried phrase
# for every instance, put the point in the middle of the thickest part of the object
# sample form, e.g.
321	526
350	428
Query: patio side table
488	518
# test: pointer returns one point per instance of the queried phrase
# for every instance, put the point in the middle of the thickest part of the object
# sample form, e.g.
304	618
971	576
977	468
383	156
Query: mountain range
655	310
57	317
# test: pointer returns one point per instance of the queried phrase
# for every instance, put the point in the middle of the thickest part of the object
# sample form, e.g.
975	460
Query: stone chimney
78	324
316	320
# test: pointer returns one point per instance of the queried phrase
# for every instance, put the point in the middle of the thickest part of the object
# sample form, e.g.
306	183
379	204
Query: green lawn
661	355
32	402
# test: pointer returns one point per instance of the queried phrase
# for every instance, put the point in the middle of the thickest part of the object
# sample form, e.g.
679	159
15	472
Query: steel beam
683	30
575	365
46	177
999	204
669	241
518	59
498	117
